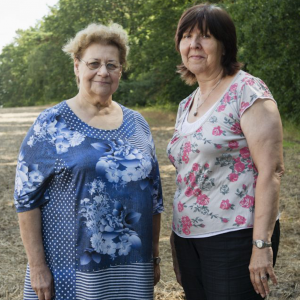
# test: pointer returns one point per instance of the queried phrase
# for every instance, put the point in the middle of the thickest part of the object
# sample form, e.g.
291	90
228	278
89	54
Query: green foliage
269	42
34	70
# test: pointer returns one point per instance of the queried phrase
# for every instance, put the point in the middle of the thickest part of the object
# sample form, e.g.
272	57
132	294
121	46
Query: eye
111	66
206	36
94	65
186	36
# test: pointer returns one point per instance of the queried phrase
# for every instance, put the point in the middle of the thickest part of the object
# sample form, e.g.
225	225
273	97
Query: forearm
155	233
266	205
31	233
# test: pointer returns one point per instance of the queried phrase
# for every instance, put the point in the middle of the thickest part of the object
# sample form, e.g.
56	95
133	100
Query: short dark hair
209	17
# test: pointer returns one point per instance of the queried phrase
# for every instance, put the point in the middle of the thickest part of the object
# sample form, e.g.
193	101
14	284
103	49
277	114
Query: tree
270	45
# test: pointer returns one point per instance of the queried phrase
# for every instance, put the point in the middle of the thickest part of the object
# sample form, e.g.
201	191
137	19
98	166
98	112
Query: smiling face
201	54
98	85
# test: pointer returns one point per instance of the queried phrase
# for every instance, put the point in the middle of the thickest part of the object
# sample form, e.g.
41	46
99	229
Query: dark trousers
216	268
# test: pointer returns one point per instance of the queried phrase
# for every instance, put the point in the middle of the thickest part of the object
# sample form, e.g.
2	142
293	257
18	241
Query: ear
76	65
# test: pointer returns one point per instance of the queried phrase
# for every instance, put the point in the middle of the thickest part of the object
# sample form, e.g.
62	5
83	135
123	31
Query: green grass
291	135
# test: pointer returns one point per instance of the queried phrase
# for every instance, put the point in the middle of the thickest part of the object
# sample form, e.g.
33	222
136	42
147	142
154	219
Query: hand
175	261
156	274
42	282
261	266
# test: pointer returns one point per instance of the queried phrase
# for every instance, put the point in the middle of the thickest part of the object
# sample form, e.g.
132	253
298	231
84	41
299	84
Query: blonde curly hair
113	34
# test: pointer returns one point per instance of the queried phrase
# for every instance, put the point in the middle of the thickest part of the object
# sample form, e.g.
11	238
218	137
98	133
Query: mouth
197	57
100	82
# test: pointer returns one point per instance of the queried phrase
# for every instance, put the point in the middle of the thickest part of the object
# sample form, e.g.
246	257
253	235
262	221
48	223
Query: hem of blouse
24	209
215	233
178	128
262	98
159	211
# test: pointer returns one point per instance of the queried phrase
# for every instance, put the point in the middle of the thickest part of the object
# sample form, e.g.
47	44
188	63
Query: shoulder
137	118
50	114
248	81
250	89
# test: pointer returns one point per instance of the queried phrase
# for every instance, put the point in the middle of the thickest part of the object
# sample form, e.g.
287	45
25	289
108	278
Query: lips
196	56
103	82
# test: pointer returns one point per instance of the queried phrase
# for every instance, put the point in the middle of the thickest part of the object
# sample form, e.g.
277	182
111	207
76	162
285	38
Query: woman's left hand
156	274
261	268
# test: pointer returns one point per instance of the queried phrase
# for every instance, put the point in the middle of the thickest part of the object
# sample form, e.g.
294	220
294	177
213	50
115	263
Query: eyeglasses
95	65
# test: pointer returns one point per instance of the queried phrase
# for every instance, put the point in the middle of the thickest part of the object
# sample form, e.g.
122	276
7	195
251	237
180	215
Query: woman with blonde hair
88	187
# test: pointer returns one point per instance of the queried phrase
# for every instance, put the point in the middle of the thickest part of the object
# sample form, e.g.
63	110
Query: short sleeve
35	168
252	88
144	133
156	188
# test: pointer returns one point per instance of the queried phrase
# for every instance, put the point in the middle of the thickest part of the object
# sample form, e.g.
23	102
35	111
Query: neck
208	82
94	106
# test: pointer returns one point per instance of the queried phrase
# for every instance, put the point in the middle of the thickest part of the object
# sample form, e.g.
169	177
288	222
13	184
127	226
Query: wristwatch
156	260
260	244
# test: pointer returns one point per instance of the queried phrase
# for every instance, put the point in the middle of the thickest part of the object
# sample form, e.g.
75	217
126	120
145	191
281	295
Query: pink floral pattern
233	144
216	176
225	204
202	199
217	131
180	207
240	220
247	202
186	225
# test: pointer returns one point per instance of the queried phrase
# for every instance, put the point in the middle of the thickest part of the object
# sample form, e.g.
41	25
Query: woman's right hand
42	281
175	261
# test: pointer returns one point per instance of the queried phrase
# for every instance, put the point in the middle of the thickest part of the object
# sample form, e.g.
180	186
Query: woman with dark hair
227	151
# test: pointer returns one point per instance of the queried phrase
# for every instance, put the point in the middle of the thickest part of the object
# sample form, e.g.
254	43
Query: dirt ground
14	124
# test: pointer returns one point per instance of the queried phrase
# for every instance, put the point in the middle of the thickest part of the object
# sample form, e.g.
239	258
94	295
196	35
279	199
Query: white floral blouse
216	175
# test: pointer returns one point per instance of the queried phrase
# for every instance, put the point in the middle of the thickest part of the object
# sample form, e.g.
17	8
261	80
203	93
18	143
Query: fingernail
257	292
263	295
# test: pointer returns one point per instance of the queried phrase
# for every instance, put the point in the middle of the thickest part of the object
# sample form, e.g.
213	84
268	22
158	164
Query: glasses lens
94	65
111	67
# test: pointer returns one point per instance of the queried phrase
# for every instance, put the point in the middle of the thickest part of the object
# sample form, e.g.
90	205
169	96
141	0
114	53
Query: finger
48	293
41	295
252	278
264	280
272	276
259	284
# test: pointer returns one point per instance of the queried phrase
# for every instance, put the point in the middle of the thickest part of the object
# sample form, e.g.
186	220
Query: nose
195	42
102	71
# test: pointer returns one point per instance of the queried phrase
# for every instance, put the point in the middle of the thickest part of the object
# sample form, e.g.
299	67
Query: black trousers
216	268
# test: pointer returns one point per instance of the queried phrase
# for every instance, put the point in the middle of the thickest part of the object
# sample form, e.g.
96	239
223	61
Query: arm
263	130
174	258
31	233
156	231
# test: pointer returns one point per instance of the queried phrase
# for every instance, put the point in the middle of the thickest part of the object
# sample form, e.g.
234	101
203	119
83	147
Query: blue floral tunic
97	191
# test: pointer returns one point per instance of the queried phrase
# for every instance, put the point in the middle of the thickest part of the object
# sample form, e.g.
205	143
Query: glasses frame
119	68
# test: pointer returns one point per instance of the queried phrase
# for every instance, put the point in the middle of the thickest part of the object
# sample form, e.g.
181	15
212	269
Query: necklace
199	97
